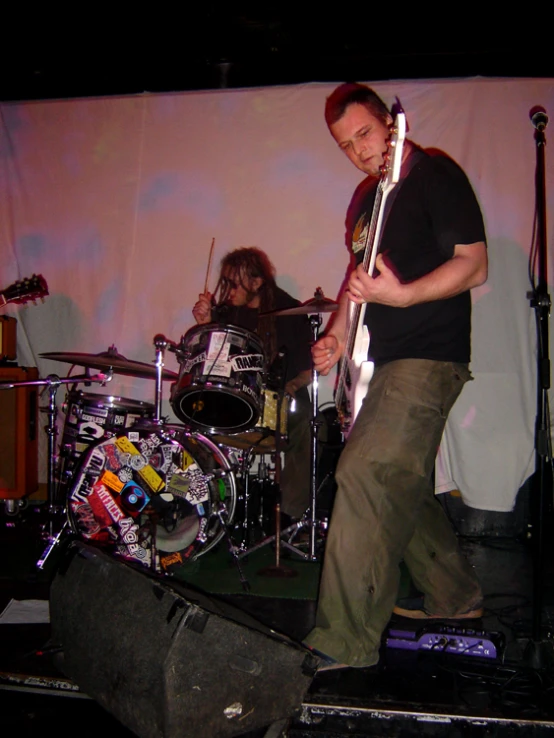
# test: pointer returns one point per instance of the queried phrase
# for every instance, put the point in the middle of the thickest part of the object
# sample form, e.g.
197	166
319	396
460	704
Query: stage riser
338	720
166	661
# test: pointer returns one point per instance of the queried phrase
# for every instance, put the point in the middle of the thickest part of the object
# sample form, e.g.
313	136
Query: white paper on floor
25	611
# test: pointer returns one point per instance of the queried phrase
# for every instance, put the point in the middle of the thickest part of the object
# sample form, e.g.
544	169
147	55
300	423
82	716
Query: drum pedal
448	639
53	542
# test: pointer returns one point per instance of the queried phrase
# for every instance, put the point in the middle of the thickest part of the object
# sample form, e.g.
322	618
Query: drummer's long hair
248	263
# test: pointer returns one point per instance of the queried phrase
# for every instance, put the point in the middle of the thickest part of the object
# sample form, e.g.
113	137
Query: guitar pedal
448	639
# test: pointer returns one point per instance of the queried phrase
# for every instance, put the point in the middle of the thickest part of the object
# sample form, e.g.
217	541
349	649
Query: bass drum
220	380
153	495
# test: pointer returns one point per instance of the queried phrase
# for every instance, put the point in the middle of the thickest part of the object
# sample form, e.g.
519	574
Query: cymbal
315	305
111	359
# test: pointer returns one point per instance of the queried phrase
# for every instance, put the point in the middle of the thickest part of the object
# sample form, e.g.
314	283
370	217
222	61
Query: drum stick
209	266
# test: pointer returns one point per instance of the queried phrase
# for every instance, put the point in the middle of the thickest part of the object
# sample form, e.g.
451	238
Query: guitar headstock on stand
25	290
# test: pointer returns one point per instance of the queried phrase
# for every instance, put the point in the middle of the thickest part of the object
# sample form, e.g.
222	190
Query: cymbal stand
315	324
311	519
160	344
286	536
56	506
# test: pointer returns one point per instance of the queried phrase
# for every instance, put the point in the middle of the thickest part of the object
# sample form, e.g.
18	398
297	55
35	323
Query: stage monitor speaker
18	433
165	659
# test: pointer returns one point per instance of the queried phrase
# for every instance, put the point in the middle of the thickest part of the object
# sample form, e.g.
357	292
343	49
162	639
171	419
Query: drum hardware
88	418
161	343
111	359
220	379
249	521
276	569
54	506
313	308
232	548
317	304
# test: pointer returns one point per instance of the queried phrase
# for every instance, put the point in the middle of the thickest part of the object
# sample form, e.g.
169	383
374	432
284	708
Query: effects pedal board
448	639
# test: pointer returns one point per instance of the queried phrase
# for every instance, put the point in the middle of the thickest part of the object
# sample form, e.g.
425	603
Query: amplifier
8	338
18	434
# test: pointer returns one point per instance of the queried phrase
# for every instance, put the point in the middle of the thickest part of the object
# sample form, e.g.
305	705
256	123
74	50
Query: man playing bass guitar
417	310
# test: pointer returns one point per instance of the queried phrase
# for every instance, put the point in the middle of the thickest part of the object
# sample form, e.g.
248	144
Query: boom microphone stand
540	652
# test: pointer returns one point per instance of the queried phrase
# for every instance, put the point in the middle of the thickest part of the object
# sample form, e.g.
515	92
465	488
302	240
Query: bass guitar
356	369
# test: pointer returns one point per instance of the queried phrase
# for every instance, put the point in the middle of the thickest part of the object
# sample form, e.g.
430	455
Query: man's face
362	137
239	289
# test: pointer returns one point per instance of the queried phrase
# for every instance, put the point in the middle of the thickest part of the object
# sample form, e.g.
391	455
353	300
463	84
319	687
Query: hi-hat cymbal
315	305
111	359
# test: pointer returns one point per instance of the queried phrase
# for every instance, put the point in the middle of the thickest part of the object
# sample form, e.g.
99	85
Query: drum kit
158	493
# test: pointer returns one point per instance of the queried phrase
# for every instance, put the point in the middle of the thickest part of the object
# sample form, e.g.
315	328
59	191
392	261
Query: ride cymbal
111	359
315	305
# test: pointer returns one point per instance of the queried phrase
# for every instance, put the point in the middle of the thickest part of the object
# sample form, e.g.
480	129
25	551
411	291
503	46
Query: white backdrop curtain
116	202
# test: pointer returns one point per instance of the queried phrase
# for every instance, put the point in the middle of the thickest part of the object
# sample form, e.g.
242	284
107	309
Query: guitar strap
416	155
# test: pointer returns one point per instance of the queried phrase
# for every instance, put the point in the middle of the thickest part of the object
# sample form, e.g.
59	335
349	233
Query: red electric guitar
25	290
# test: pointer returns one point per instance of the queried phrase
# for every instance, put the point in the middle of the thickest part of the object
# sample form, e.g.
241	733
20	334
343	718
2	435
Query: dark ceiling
172	50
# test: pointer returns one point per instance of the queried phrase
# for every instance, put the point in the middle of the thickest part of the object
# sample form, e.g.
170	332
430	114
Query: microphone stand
539	652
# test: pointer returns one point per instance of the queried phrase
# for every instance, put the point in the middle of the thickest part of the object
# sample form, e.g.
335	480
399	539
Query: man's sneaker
413	608
326	663
331	666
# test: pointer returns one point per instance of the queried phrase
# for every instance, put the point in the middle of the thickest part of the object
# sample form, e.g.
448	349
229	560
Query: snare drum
153	495
262	438
90	417
221	379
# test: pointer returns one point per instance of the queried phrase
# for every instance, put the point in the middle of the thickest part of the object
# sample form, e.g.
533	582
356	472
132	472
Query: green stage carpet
216	573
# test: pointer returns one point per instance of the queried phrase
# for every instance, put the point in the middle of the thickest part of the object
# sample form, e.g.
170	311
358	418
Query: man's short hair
352	93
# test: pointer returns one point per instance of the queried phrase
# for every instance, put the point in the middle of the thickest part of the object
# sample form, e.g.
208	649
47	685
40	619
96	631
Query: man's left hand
466	269
385	288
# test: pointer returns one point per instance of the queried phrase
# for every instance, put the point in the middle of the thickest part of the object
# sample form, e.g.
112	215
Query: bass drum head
152	495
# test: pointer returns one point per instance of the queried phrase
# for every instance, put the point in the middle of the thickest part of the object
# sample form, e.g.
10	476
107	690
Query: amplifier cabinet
18	433
8	338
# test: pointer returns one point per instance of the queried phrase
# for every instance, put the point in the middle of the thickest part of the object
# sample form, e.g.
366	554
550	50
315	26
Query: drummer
246	289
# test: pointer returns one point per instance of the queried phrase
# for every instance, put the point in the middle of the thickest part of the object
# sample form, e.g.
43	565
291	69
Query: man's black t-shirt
434	209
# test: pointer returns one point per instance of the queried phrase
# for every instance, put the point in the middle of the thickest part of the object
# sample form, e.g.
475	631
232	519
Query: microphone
161	341
538	117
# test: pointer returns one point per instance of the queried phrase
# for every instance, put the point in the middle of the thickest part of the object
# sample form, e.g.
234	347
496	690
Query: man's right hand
326	352
202	311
